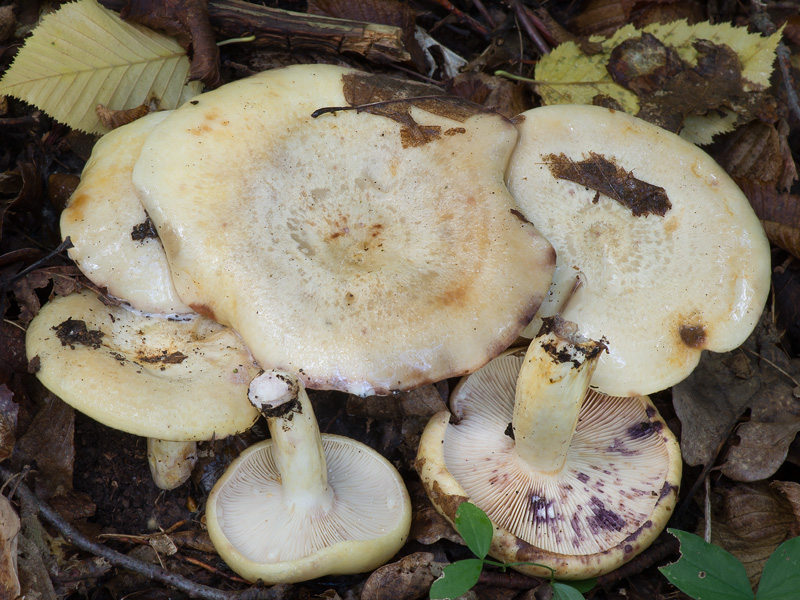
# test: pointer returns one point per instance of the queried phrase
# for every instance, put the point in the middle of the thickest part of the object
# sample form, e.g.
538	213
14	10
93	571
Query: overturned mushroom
577	482
303	504
114	243
367	250
673	258
174	380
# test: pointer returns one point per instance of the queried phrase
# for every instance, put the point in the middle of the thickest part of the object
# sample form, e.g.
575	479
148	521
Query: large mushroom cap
114	244
369	250
609	501
175	380
673	259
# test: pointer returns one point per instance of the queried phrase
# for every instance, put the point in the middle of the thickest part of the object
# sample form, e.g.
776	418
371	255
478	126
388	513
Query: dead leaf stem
153	572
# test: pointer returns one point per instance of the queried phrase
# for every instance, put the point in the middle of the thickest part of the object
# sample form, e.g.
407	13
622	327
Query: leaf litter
703	79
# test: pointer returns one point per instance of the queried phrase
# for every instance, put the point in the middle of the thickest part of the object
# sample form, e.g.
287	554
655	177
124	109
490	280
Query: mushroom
303	504
574	480
672	257
114	243
368	250
176	380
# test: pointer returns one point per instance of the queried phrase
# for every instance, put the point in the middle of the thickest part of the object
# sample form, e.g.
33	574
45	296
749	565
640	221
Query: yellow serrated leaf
84	55
568	76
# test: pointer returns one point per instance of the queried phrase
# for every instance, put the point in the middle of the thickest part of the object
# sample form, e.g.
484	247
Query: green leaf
457	578
780	579
563	591
475	527
83	55
706	571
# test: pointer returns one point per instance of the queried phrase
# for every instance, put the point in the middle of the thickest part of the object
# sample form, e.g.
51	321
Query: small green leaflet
457	578
563	591
707	572
475	527
780	579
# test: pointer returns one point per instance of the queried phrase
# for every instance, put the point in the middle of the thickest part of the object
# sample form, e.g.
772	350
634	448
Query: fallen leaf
604	176
791	491
495	93
779	214
83	55
9	532
8	422
750	521
111	119
188	22
65	280
569	76
48	443
409	578
710	401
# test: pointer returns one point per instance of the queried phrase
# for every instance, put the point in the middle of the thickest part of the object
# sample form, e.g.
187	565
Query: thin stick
524	20
77	539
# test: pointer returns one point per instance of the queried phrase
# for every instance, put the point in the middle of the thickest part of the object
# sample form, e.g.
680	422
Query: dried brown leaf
670	90
750	521
604	176
111	119
9	533
791	491
65	280
48	443
752	153
8	421
409	578
779	213
710	401
602	17
495	93
188	22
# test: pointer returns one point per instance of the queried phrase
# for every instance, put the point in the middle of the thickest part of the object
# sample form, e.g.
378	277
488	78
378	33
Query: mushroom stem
283	401
551	386
171	463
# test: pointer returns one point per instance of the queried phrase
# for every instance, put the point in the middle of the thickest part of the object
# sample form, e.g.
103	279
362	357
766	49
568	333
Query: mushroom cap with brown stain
368	251
114	244
174	380
673	258
259	538
609	502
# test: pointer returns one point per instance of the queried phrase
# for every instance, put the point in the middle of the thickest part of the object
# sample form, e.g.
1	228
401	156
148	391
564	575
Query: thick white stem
171	463
550	389
283	401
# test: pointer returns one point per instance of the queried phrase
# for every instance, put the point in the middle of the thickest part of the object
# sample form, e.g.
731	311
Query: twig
646	559
524	20
76	538
300	31
463	17
65	245
510	580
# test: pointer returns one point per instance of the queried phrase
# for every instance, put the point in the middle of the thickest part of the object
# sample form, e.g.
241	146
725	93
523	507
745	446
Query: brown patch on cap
694	336
447	503
607	177
203	309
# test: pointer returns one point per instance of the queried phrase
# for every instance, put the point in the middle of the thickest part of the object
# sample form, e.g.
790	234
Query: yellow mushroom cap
672	258
367	251
108	227
174	380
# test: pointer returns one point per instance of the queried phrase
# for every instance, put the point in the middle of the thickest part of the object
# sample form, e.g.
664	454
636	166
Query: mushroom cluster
320	227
